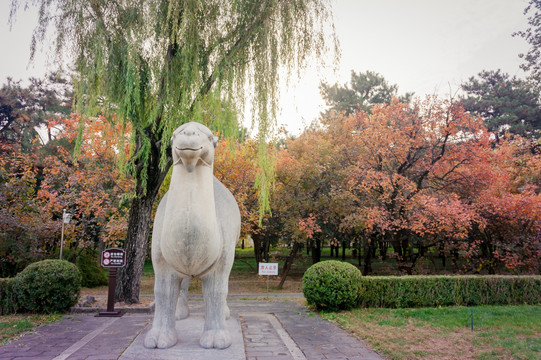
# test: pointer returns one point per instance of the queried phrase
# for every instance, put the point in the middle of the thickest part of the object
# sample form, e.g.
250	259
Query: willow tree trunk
129	277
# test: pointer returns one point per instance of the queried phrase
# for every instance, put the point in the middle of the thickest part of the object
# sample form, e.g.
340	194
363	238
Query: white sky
424	46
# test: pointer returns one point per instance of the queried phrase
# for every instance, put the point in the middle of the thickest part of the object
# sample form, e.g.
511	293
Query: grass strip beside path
14	326
500	332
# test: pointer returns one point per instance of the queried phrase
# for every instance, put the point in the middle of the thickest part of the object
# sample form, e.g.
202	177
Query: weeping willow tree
159	63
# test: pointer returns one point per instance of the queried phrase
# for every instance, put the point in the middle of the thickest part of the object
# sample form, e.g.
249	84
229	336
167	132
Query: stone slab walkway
270	330
187	347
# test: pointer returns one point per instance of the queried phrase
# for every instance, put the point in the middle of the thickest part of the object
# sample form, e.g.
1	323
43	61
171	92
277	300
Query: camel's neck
191	196
188	187
191	241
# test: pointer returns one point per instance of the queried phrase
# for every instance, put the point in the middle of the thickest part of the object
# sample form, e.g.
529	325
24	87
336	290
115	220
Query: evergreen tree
24	109
532	59
364	91
506	104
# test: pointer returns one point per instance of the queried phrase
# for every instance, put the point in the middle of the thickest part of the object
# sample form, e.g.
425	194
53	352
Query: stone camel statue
195	231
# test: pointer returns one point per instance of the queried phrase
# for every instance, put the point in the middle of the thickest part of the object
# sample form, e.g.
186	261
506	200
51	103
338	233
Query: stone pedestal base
187	348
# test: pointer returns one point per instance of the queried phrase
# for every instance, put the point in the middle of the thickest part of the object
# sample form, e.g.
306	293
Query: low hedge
8	299
428	291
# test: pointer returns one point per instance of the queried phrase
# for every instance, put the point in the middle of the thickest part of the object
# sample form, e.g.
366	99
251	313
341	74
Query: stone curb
232	296
150	309
89	310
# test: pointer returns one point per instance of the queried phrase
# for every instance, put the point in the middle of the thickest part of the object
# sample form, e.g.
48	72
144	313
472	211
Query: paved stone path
271	330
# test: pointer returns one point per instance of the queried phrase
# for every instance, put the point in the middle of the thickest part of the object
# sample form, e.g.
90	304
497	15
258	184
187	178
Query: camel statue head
193	144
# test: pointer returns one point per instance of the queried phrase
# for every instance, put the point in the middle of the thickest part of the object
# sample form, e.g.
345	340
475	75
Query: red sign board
113	258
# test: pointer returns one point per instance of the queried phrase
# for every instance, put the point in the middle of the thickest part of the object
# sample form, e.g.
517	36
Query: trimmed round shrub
332	285
48	286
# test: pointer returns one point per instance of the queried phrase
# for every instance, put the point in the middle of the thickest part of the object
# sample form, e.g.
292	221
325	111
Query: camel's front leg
166	288
215	333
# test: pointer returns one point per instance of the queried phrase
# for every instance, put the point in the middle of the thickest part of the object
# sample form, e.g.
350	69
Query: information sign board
113	258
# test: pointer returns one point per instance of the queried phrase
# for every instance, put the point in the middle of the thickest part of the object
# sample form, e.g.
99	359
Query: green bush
332	285
91	271
48	286
87	260
428	291
8	299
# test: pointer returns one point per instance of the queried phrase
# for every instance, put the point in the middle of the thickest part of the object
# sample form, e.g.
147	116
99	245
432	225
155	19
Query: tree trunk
258	248
397	248
442	256
316	251
266	249
383	247
359	253
129	277
343	250
455	259
367	258
288	264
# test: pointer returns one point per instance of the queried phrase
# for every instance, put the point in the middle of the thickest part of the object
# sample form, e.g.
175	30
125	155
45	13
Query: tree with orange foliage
408	157
36	185
92	187
308	172
236	166
503	187
26	232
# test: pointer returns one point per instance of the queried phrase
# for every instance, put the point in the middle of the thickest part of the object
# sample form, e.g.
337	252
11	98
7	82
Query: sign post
66	218
268	269
112	258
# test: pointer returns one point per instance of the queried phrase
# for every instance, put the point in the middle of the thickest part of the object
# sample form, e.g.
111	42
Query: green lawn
244	265
500	332
148	270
